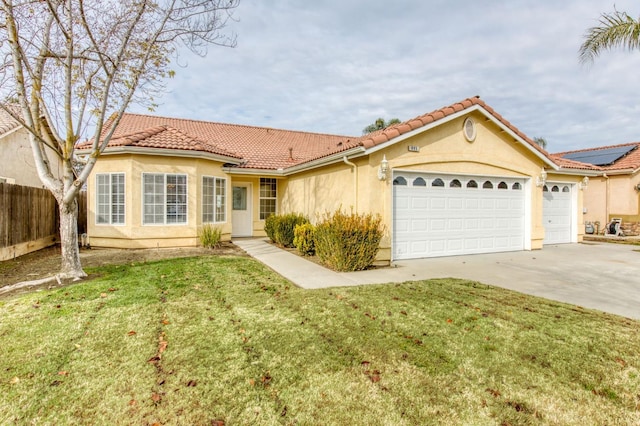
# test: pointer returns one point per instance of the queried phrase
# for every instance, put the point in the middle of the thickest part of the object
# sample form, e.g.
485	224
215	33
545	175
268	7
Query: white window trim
110	223
260	197
186	222
226	198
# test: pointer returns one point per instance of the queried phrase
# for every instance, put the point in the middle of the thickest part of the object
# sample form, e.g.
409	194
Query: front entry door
242	225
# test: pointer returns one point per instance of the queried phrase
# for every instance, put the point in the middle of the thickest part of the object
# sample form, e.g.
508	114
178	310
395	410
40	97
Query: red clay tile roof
7	123
565	163
389	133
631	161
163	137
267	148
260	147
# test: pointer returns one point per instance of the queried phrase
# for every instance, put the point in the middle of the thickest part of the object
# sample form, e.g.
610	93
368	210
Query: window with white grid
268	192
110	201
164	198
214	199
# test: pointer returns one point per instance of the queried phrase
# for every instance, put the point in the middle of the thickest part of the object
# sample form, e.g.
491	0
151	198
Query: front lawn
224	340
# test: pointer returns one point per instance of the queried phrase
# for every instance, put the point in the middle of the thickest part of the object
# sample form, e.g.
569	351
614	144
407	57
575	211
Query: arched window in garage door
400	181
419	182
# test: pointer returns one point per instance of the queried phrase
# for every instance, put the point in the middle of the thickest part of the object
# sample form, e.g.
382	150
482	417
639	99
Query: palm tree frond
616	29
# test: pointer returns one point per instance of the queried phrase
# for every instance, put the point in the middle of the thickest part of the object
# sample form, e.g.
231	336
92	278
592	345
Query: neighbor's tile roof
267	148
630	161
7	123
565	163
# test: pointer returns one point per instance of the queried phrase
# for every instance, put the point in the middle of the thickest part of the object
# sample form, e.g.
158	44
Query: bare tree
67	65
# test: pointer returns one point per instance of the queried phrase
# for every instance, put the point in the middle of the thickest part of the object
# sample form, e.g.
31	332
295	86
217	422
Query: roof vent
290	154
469	129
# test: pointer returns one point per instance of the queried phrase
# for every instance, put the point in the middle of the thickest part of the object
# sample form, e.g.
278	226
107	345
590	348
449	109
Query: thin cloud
334	66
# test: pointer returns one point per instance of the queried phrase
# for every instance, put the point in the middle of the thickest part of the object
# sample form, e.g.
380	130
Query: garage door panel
455	225
471	204
458	220
557	208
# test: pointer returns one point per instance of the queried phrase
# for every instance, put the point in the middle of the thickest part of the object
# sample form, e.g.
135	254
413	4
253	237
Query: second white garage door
445	215
556	216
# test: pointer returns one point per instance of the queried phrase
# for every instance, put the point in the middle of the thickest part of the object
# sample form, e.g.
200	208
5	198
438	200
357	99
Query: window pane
268	193
207	199
176	199
267	208
102	198
220	201
239	198
110	198
153	186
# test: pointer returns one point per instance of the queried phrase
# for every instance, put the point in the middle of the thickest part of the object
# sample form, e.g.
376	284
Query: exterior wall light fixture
542	179
383	169
584	183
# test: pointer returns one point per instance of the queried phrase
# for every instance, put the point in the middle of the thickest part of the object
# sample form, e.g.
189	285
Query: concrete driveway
601	276
595	275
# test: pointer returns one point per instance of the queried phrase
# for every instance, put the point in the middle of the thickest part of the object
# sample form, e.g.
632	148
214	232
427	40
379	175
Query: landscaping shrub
303	239
270	226
280	228
348	242
210	236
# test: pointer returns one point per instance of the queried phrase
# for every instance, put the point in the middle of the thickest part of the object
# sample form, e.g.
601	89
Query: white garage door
556	215
445	215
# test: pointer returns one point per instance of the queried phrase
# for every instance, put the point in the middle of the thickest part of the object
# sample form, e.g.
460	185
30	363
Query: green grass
191	341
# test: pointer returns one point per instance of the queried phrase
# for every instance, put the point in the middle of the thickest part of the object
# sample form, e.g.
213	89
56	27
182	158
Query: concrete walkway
594	275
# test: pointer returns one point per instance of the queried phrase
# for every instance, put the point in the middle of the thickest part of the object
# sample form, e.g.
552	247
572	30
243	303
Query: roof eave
577	172
620	171
11	131
164	152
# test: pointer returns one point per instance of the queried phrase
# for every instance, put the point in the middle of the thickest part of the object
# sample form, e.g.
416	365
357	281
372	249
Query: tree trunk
71	267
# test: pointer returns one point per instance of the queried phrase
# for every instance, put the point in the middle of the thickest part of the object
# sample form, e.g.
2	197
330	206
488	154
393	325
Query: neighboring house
17	165
615	192
459	180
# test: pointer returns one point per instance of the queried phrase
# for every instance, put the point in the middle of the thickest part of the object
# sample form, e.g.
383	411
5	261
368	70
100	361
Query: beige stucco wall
441	149
134	234
612	196
17	163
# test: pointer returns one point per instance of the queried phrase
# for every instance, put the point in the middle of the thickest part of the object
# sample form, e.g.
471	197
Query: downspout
355	181
606	200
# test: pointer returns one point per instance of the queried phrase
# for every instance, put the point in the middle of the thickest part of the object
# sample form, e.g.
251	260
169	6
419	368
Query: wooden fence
29	219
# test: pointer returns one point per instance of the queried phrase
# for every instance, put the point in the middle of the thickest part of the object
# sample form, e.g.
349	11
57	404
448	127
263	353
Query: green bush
303	239
270	226
348	242
210	236
280	228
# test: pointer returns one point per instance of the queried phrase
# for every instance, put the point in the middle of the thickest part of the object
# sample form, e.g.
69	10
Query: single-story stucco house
458	180
17	165
615	192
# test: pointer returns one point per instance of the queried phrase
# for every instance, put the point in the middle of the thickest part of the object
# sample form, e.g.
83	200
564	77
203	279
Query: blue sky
334	66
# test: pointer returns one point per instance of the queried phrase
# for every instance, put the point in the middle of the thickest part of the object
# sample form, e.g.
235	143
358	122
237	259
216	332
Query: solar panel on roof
600	157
